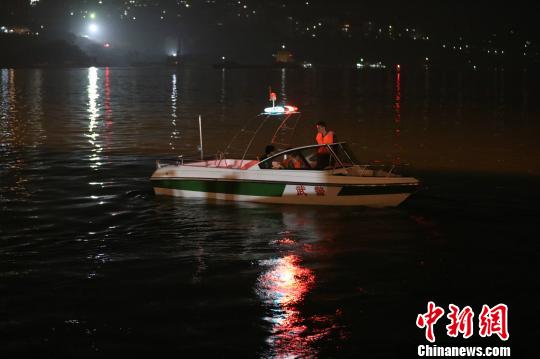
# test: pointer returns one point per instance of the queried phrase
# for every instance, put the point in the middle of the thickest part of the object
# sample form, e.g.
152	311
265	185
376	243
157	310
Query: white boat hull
387	200
300	187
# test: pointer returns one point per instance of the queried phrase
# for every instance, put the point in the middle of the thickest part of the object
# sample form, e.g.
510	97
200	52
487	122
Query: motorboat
321	174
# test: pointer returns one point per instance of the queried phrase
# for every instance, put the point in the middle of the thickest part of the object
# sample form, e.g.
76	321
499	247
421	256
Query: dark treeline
22	50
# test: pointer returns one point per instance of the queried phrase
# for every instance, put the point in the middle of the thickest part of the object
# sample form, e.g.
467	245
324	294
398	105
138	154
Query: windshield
321	157
344	154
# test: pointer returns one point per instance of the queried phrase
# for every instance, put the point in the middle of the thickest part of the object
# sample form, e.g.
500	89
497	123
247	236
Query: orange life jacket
326	140
292	163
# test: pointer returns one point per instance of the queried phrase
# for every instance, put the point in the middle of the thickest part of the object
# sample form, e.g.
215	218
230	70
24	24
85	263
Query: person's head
321	127
269	149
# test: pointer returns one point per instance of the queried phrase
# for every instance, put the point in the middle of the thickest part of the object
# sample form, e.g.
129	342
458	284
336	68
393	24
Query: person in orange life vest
293	161
326	137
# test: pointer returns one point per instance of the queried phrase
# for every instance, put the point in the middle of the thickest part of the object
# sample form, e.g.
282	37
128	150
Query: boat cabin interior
315	157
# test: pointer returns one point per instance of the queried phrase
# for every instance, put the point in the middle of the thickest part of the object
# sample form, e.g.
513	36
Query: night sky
434	15
253	30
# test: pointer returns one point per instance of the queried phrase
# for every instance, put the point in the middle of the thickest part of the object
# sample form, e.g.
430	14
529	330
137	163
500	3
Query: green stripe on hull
228	187
380	189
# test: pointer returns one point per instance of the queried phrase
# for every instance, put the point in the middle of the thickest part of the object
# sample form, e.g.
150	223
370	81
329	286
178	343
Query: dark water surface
93	264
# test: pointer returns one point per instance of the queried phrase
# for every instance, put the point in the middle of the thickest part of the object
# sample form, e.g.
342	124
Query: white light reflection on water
4	93
5	96
283	92
93	111
174	117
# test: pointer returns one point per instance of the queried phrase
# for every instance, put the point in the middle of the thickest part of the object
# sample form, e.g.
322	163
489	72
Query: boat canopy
313	157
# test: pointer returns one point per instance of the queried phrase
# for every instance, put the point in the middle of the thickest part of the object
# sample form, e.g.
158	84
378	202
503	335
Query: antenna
273	96
200	137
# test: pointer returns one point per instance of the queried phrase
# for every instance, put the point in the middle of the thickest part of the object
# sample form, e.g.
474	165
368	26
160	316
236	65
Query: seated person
323	161
268	151
293	161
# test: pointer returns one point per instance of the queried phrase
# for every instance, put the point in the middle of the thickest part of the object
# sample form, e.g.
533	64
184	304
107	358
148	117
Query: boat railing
179	161
229	160
220	160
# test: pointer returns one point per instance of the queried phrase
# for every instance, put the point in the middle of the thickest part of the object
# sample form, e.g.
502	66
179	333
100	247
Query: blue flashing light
280	110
